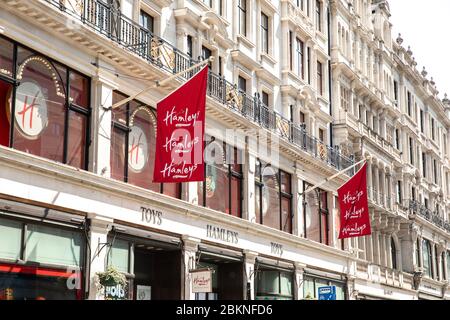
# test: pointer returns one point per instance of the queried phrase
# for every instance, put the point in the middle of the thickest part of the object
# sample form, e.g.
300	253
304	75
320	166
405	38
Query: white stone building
75	197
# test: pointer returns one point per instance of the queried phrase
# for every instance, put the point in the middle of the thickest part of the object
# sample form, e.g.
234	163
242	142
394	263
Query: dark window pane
285	182
235	197
118	154
76	149
5	111
286	215
79	90
6	57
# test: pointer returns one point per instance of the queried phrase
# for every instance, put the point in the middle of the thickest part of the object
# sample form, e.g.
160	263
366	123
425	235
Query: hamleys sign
31	112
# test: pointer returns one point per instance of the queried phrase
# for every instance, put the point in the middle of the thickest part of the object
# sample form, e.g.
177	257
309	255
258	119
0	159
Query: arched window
393	254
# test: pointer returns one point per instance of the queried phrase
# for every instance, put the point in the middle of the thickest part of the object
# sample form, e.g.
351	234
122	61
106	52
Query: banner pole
333	177
159	83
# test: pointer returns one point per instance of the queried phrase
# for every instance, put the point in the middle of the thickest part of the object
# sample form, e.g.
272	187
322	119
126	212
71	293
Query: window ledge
268	58
246	41
321	35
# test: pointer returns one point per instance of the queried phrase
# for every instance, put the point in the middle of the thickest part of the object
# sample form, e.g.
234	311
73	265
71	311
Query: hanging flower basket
111	277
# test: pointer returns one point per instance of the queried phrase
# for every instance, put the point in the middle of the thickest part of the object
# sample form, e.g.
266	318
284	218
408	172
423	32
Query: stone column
299	279
101	122
376	242
190	248
98	236
250	274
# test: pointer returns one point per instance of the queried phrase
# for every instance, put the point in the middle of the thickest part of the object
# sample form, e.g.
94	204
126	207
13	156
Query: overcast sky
425	26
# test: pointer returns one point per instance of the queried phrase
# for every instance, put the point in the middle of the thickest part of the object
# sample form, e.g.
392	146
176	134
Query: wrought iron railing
104	19
419	209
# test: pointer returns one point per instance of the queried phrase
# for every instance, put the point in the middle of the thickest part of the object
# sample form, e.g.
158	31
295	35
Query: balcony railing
433	217
109	22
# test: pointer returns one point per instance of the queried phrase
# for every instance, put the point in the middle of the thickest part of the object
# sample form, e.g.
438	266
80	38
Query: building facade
297	91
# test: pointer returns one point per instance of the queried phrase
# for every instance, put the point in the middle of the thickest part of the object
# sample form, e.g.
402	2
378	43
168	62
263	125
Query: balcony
101	18
432	217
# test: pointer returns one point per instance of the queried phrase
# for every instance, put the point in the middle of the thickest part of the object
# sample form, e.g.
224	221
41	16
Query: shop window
316	215
311	287
10	239
133	141
393	254
6	57
427	258
50	106
222	188
53	246
50	256
274	285
273	197
118	255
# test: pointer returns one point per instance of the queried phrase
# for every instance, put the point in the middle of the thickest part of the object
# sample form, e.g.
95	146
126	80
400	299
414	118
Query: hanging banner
353	203
179	132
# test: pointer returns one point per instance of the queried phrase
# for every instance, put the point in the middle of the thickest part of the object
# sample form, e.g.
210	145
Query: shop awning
220	253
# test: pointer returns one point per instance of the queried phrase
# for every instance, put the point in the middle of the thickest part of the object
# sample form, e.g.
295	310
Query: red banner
355	220
179	132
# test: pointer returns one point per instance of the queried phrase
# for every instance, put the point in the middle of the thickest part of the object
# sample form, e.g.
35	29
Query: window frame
259	184
265	28
242	17
69	106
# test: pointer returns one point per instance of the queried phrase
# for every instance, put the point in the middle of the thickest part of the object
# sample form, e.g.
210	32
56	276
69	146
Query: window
242	7
51	108
302	118
396	92
206	54
427	258
208	3
291	53
308	57
322	135
413	196
444	277
133	141
319	78
393	254
424	165
397	139
448	265
419	264
264	33
299	58
265	98
315	210
319	15
300	4
273	197
436	263
118	255
399	192
311	287
345	98
411	151
409	104
273	284
421	121
435	171
189	46
242	84
222	188
146	21
433	129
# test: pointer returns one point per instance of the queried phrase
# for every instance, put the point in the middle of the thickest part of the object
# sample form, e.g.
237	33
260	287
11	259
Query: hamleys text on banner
179	133
353	203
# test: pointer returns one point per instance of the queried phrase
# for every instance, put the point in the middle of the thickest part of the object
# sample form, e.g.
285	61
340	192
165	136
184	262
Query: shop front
227	273
313	281
274	280
41	253
152	263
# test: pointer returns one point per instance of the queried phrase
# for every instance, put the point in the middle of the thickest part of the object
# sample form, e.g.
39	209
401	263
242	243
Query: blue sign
327	293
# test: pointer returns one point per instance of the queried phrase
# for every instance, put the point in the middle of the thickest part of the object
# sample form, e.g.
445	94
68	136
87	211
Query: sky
425	26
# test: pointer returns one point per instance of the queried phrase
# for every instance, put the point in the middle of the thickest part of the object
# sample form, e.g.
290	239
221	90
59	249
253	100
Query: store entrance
157	273
227	277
